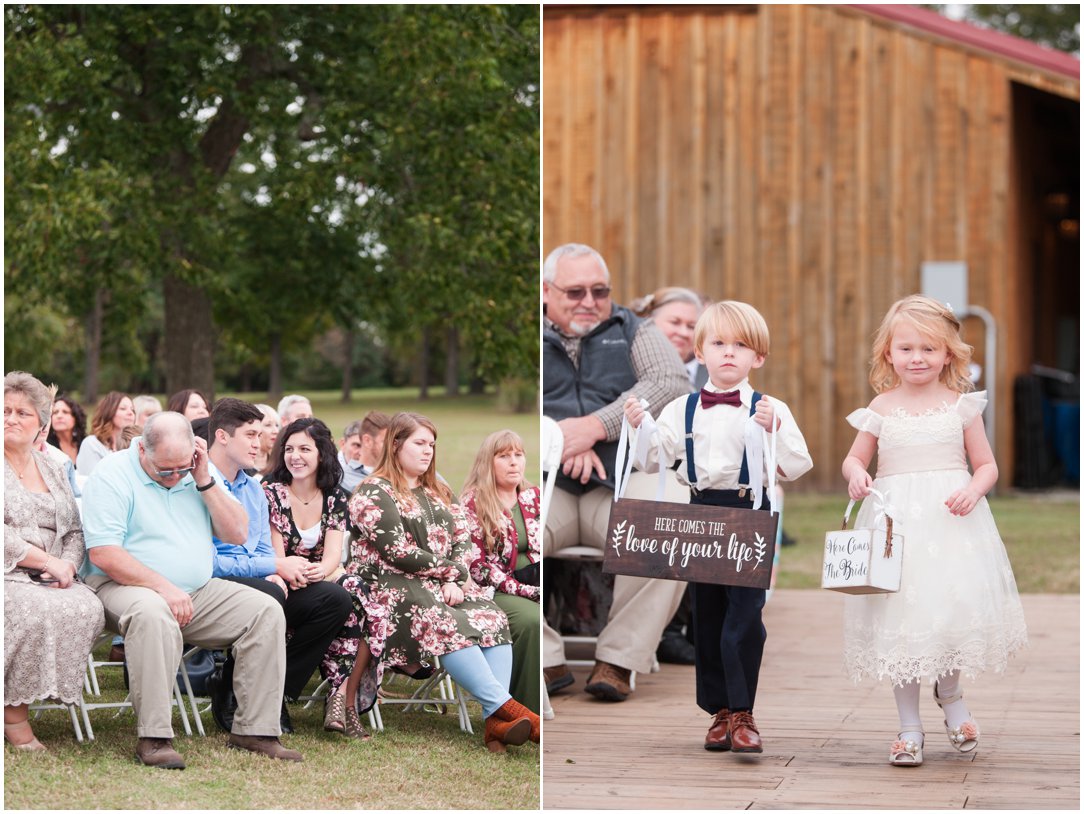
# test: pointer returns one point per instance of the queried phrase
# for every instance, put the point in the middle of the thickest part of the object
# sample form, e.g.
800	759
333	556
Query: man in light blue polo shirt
315	609
147	523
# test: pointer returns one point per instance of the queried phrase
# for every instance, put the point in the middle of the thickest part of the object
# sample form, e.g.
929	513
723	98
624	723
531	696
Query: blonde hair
482	481
742	320
933	321
401	427
646	306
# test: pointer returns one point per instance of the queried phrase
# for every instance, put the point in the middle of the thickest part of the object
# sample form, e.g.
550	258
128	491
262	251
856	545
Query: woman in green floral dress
413	549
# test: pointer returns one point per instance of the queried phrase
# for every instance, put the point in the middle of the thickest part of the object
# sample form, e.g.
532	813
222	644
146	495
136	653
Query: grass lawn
1041	532
420	761
462	422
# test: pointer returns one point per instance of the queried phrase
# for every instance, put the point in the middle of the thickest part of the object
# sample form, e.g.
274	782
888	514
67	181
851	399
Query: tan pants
641	607
225	615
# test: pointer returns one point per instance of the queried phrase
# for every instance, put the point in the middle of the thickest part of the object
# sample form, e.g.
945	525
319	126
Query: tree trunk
348	365
451	361
246	377
477	385
93	332
189	339
274	385
423	393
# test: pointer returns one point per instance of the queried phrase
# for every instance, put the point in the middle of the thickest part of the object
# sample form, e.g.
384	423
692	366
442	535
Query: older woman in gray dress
50	618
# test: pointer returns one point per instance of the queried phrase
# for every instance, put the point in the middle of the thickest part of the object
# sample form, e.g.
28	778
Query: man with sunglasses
595	355
148	516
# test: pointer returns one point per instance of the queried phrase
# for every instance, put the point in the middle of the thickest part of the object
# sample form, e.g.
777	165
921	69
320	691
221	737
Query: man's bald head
167	429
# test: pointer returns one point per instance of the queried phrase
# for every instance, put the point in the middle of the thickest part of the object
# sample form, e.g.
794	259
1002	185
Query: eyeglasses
169	473
578	292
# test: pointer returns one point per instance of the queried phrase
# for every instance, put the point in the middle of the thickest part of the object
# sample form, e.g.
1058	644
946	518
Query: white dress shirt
719	441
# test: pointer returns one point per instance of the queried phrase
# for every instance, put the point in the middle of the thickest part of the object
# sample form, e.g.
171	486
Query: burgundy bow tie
709	399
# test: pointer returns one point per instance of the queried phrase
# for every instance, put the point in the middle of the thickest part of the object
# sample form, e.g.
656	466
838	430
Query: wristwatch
210	483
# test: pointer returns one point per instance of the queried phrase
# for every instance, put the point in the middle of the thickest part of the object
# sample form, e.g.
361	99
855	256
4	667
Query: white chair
437	693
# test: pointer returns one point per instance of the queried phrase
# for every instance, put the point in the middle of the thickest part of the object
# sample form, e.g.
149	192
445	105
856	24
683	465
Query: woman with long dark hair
68	427
308	514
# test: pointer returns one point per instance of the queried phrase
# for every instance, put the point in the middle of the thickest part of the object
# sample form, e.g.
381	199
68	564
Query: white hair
549	267
289	401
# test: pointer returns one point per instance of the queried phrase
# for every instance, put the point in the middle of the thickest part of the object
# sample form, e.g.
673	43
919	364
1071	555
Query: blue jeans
484	672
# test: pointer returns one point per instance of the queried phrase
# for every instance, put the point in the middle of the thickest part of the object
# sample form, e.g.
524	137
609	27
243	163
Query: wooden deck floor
826	739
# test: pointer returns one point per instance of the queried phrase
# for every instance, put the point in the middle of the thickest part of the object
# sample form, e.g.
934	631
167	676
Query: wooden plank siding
804	158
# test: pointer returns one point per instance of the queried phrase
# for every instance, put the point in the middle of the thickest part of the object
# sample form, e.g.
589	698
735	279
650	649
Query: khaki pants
225	615
641	607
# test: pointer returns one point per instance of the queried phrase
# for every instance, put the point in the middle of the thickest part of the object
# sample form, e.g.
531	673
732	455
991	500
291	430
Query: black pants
316	614
728	633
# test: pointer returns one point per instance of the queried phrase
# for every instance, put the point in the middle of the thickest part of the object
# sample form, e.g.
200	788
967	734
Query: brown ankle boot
504	728
514	709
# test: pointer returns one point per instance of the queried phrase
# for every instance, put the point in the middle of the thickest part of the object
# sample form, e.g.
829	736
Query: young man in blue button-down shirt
315	610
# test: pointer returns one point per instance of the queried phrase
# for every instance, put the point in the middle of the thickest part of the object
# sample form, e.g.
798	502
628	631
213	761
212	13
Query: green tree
1054	25
371	164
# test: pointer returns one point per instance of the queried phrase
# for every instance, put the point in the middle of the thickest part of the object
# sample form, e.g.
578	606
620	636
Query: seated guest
190	403
308	521
414	550
315	610
113	413
145	407
47	633
68	427
502	514
361	447
293	407
148	526
268	435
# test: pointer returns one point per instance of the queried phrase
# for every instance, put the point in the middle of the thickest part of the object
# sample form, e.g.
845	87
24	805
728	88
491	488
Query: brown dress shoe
267	745
557	678
159	753
744	736
718	737
608	682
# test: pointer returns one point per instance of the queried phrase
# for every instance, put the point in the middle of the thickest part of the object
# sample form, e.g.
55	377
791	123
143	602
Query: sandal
32	745
354	729
906	752
965	737
334	712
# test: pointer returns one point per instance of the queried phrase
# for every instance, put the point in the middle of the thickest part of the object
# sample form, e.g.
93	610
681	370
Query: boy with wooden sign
705	433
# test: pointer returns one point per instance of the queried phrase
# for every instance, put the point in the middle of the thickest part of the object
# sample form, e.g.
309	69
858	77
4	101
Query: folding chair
438	691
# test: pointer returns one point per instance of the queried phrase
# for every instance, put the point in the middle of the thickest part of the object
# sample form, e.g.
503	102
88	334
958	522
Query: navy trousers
728	631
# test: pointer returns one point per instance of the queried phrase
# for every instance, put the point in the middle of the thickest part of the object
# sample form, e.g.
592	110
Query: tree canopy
186	184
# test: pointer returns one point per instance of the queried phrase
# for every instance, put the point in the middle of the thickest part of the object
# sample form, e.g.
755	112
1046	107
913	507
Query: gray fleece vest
604	373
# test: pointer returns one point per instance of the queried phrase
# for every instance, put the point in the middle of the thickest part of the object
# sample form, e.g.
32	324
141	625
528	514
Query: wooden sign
691	543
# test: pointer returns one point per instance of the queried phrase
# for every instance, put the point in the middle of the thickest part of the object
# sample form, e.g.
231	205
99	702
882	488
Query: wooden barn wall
799	158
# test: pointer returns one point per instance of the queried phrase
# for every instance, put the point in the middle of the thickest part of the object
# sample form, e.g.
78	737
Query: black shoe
223	701
675	649
285	724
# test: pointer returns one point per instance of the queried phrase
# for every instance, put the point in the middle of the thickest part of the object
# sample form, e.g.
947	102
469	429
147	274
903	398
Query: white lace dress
957	607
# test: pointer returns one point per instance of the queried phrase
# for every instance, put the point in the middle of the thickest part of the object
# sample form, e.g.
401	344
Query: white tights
907	697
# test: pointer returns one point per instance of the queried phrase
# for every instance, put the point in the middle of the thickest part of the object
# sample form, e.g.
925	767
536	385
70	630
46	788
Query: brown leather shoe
718	737
116	652
267	745
159	753
744	736
608	682
557	678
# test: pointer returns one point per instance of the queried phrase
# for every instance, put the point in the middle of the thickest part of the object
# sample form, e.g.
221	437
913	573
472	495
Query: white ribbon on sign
636	448
756	447
884	508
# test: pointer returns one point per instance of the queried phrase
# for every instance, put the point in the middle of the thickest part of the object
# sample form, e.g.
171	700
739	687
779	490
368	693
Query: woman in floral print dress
502	515
307	510
414	550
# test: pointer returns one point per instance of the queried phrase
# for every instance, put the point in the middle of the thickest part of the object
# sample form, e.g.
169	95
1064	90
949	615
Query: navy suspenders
690	409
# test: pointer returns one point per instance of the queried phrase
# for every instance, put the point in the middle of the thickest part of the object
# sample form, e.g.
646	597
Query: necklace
17	471
304	502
